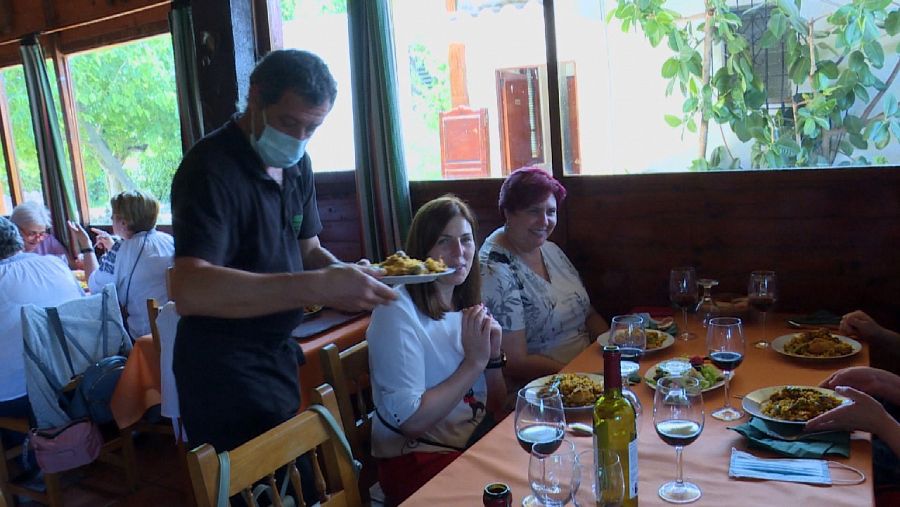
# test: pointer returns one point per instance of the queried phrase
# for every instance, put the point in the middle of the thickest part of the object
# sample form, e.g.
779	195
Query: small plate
752	402
779	343
411	279
668	340
651	372
545	380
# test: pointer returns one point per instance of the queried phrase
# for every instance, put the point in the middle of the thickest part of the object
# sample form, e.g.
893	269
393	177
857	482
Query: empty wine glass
602	483
725	343
540	422
627	331
762	293
678	418
555	475
707	308
683	294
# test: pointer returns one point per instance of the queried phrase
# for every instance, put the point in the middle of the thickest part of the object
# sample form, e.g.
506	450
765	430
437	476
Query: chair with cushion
348	372
258	460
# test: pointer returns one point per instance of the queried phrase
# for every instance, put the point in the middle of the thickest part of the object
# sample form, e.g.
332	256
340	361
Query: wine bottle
615	423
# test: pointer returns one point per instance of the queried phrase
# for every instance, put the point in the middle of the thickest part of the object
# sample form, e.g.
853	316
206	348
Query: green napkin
819	318
771	436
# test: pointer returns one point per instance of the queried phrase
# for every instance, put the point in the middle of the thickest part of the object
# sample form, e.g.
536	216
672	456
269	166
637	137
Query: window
24	150
472	79
128	124
321	27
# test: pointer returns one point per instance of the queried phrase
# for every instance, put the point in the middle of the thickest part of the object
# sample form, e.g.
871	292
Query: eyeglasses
34	234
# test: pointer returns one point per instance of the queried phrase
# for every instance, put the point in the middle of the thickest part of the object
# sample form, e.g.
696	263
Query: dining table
497	457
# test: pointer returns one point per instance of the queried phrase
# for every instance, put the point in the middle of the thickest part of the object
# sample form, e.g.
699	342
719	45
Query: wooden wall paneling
128	27
338	210
9	151
831	235
224	31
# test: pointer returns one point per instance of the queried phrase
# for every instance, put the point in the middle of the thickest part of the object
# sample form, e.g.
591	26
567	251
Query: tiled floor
162	479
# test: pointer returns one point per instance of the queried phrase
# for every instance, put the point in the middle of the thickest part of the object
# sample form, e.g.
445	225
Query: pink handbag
73	445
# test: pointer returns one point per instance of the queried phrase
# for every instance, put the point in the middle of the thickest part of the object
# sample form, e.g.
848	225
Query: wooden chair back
260	458
348	372
153	312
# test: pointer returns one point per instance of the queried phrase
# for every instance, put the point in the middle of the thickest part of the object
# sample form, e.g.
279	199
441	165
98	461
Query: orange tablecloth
139	386
497	456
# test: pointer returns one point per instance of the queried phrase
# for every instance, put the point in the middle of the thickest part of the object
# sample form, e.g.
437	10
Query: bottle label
633	469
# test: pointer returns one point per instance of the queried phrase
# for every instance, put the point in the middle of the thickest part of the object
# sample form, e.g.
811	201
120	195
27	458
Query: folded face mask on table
810	471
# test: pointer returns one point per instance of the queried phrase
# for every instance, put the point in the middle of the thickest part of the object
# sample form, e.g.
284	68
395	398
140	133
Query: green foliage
430	82
22	131
292	9
832	64
126	93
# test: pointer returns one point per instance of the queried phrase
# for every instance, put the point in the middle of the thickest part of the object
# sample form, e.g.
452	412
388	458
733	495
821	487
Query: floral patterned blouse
553	314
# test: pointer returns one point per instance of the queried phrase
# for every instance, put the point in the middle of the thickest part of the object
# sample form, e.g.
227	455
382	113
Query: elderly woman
137	263
530	286
33	221
434	355
25	278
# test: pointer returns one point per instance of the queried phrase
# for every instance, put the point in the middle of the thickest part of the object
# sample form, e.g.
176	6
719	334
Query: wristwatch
496	362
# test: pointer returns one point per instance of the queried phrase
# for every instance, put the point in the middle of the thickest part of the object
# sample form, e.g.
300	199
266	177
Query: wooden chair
117	451
348	372
263	456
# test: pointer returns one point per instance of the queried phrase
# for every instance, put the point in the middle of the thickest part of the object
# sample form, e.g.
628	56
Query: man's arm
202	288
315	256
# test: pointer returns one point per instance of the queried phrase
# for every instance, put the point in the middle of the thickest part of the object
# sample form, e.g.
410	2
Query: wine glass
540	421
725	343
678	418
627	331
762	293
554	475
683	294
602	482
707	308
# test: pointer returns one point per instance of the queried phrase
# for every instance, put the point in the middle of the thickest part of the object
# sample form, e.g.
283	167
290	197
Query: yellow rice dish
577	390
798	404
401	264
818	343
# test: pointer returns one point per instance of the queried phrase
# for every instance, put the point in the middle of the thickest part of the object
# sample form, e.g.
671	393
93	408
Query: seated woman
530	286
33	221
434	355
136	264
876	406
25	279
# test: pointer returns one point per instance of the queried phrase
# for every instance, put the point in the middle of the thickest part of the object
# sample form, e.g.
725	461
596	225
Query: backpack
91	398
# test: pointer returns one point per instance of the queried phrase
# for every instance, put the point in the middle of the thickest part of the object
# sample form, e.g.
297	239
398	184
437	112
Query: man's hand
350	288
864	414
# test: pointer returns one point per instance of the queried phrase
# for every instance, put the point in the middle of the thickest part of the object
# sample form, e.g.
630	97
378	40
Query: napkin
652	323
819	318
771	436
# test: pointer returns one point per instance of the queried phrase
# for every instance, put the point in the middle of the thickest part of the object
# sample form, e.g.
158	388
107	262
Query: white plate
668	340
779	343
411	279
752	402
545	380
649	374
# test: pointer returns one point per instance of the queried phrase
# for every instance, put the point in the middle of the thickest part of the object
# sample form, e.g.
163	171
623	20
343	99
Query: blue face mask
810	471
277	149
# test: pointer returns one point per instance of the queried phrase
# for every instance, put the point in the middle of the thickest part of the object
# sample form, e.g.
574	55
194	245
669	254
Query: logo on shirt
296	222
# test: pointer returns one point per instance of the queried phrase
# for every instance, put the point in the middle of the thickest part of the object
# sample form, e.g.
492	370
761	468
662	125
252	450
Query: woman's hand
873	381
496	333
476	335
865	414
103	239
82	240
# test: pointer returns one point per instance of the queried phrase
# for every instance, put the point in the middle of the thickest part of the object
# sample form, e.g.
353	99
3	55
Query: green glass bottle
615	426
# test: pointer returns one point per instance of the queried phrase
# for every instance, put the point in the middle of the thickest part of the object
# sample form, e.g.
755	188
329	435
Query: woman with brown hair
434	355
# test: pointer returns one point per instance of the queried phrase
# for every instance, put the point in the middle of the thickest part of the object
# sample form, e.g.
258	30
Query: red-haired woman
529	284
434	355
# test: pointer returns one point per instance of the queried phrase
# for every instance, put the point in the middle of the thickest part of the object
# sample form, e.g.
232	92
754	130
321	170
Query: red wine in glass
543	438
684	301
762	303
678	432
726	360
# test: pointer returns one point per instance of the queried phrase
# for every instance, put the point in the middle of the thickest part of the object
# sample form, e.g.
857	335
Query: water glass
554	476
